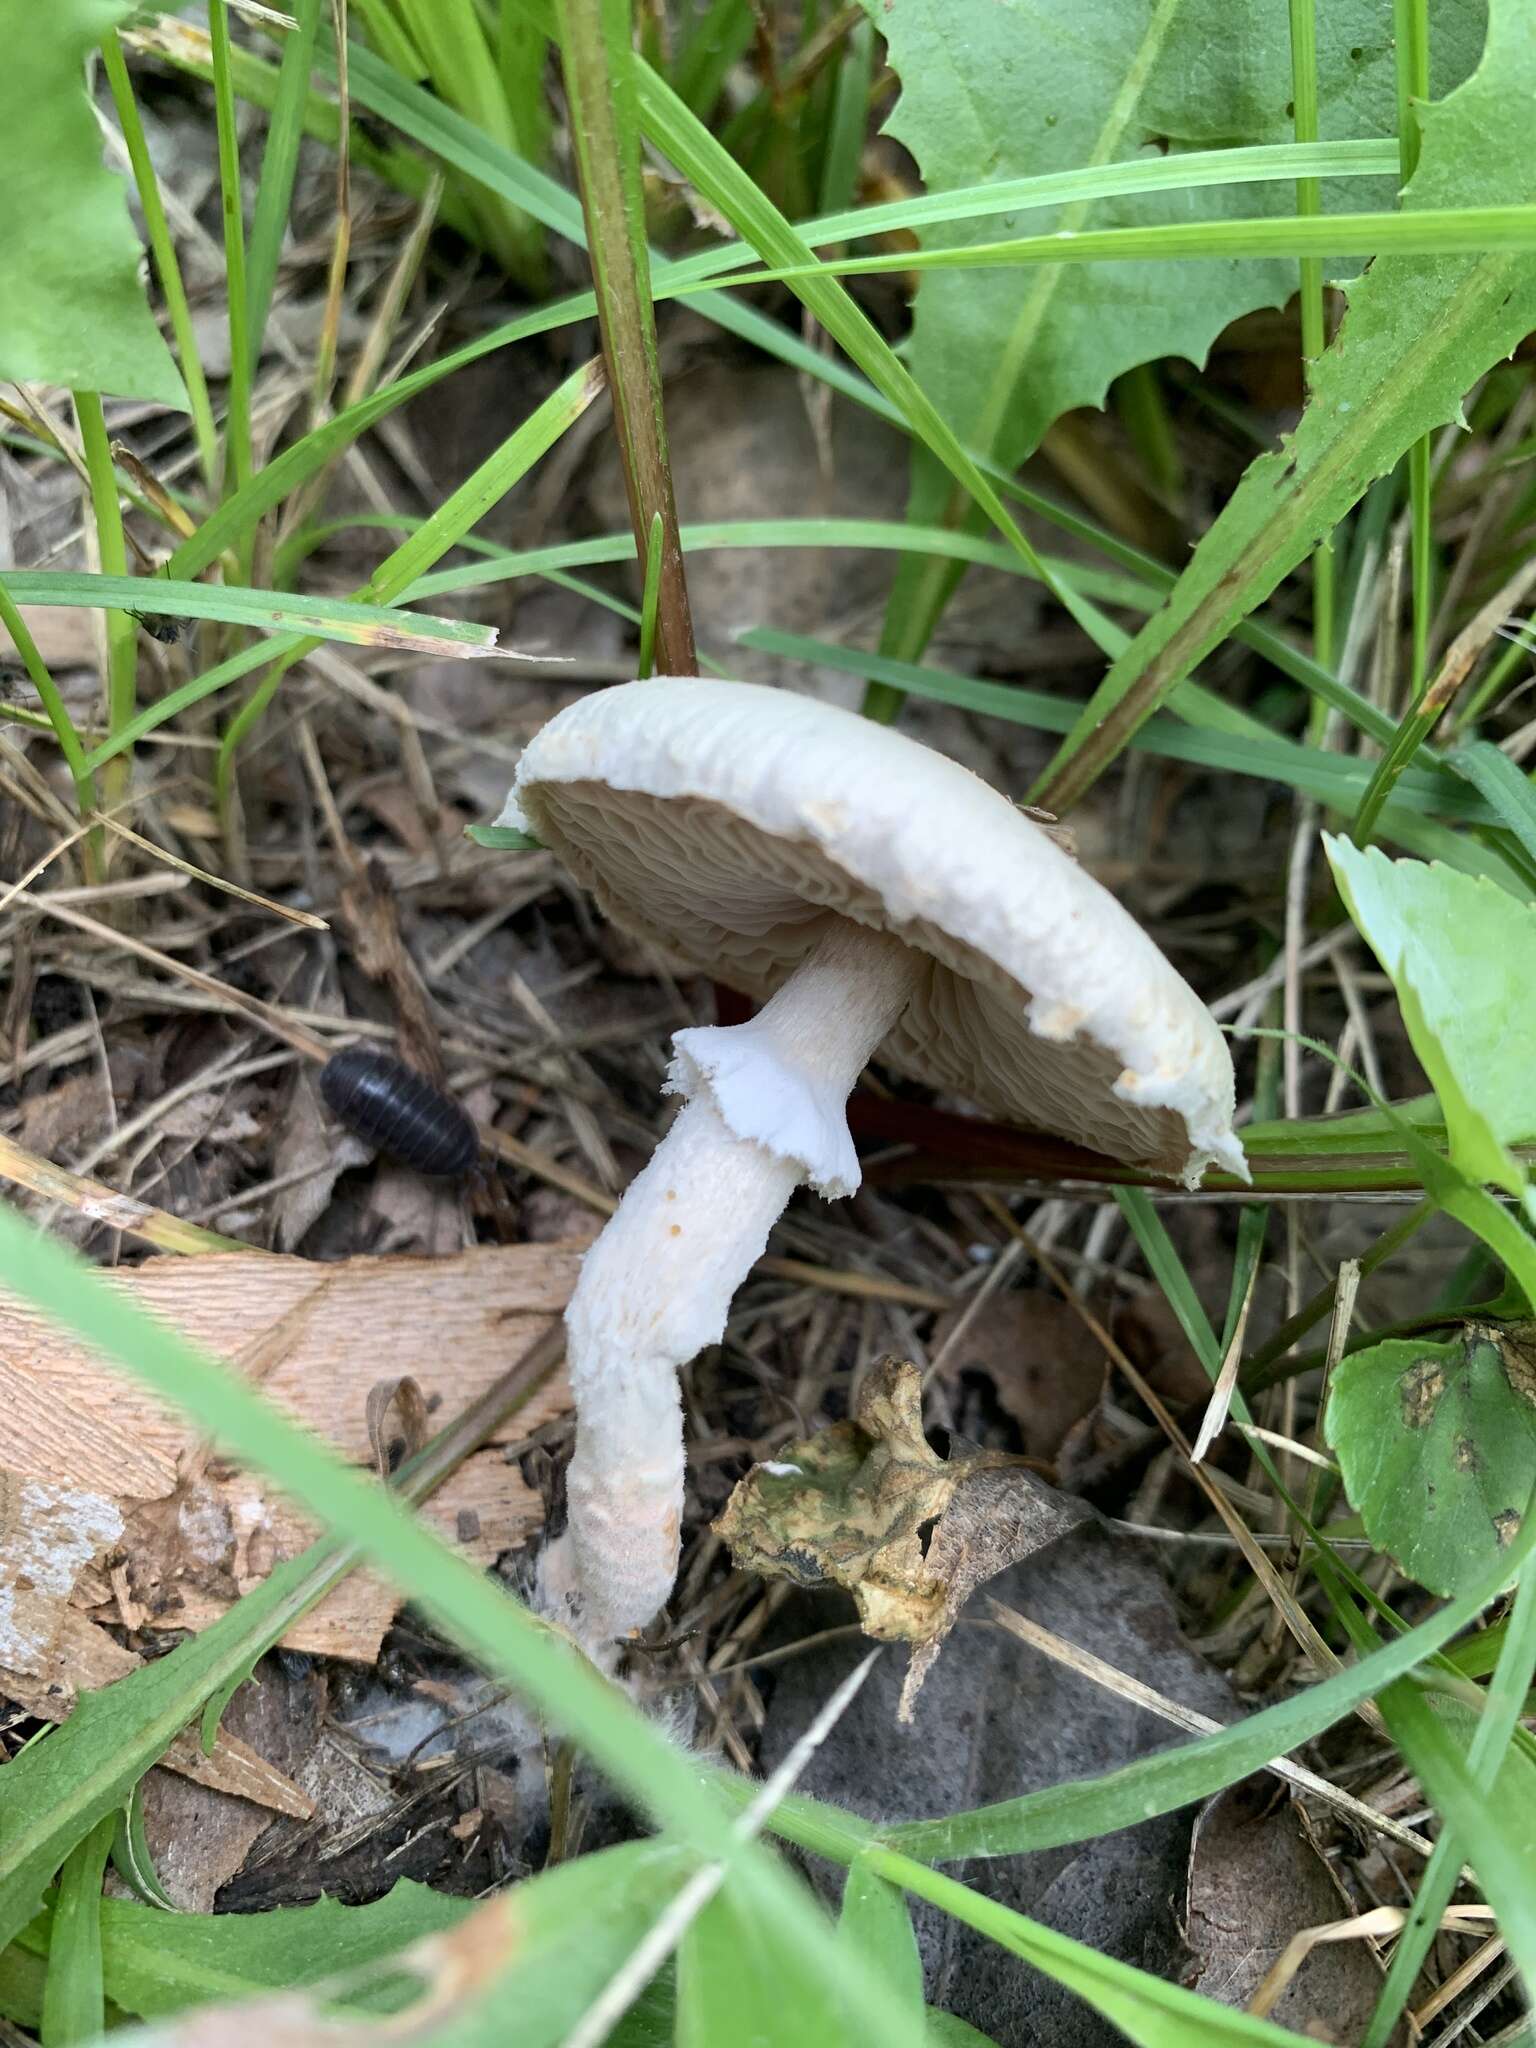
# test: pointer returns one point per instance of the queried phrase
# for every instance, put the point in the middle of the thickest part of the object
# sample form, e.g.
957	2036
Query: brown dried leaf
996	1519
850	1504
1255	1877
318	1338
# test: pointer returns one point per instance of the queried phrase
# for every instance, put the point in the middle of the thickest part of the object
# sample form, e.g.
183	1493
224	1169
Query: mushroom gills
766	1111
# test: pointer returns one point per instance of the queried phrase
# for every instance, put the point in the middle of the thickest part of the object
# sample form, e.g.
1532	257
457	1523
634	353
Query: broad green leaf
739	1981
72	304
74	2008
1418	333
1462	954
154	1963
1437	1444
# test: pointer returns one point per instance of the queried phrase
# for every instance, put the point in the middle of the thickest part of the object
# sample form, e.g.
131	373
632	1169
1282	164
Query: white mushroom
881	898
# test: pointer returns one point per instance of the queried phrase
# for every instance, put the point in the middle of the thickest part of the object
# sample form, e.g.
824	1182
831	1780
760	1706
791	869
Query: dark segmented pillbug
399	1111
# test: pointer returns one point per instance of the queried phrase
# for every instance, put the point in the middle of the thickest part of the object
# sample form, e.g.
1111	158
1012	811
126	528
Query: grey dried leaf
995	1519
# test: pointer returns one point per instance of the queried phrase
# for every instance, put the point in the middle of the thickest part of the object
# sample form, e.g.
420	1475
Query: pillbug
399	1111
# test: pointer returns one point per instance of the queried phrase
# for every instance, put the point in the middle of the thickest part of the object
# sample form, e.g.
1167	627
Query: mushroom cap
722	820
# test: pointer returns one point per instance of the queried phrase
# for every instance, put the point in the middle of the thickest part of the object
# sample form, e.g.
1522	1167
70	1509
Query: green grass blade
74	2004
121	680
1148	2010
238	393
361	624
1505	788
279	162
718	38
1443	231
1076	1812
596	57
458	515
163	246
650	599
70	744
1502	1708
464	70
477	1613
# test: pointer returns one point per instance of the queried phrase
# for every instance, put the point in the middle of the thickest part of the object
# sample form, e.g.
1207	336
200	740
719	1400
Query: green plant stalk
238	463
1411	39
598	64
446	527
163	246
64	731
1502	1709
279	163
112	551
74	2006
1314	338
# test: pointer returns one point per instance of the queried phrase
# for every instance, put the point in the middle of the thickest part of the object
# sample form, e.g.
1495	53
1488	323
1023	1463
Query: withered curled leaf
850	1505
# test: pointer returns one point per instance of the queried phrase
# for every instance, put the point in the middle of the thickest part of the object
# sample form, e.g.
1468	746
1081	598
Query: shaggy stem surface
766	1112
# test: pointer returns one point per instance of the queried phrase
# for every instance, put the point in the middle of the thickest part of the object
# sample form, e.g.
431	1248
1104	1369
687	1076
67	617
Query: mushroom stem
766	1112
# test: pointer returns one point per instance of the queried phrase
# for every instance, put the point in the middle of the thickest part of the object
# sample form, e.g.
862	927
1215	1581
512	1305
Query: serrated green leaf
155	1963
1418	333
1011	90
1007	90
1437	1444
72	304
1462	954
525	1965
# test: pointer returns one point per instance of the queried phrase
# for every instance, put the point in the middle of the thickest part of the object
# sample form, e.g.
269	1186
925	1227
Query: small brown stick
102	1204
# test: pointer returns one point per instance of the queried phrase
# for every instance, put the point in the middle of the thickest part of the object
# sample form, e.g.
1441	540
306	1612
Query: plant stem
238	454
1314	335
71	746
597	60
112	553
163	246
1411	31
